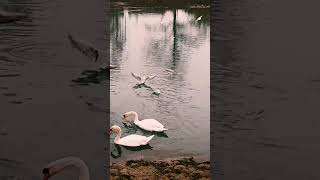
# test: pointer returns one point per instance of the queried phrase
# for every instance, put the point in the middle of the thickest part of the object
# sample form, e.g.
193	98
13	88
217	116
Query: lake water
159	41
45	115
266	90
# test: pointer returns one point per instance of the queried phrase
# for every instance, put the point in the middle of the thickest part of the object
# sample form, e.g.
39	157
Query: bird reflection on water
92	77
117	148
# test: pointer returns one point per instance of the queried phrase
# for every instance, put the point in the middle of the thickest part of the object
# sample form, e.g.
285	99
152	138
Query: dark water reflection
172	45
265	100
44	114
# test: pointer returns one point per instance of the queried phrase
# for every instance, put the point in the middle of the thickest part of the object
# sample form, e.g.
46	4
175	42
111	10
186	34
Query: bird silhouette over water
91	52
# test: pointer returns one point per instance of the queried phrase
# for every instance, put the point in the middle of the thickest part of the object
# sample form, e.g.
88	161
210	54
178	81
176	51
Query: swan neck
136	118
84	173
118	136
62	164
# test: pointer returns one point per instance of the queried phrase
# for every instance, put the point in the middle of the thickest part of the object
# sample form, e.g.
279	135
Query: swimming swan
133	140
146	124
90	51
60	165
142	79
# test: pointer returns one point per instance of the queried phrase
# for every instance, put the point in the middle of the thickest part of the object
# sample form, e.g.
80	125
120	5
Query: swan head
60	165
48	172
129	116
115	129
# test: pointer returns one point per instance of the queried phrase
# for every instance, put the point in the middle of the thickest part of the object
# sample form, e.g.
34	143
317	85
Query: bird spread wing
150	77
137	77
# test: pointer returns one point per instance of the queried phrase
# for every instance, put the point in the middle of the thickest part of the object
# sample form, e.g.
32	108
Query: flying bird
91	52
142	79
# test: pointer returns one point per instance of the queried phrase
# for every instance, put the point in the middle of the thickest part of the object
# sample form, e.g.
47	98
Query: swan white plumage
142	79
90	51
60	165
133	140
146	124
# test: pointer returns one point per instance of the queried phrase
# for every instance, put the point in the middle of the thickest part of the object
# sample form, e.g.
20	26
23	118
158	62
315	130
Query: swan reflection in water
116	150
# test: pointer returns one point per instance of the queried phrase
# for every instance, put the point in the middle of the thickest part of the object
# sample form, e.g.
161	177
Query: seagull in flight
142	79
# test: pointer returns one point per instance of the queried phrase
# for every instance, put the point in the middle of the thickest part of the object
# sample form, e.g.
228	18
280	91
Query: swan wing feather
151	125
134	140
150	77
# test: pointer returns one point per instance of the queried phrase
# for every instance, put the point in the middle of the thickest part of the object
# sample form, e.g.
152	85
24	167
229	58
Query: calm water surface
158	41
266	90
44	114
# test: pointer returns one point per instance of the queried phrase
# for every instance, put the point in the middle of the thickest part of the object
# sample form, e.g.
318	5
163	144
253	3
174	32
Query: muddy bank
183	169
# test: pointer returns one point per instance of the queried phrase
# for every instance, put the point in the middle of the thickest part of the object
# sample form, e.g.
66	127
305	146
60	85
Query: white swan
133	140
60	165
142	79
90	51
146	124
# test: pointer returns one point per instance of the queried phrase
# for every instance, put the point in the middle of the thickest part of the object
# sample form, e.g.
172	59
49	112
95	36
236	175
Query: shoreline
180	169
141	4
